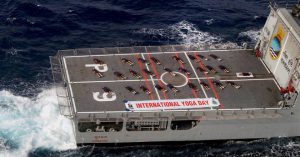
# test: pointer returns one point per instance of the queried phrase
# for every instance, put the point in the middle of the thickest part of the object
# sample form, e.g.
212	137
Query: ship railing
283	4
63	99
140	49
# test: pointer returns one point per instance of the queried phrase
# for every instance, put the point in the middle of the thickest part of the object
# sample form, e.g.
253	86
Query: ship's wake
27	124
187	33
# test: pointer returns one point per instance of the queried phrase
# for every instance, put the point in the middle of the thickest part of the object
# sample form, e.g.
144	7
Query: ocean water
33	30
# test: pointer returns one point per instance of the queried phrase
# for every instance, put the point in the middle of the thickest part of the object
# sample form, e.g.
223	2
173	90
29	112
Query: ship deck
261	91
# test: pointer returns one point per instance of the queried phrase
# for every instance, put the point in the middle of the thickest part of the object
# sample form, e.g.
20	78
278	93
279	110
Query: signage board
173	104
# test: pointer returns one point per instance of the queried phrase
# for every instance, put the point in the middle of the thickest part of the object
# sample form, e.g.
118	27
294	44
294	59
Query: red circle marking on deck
208	80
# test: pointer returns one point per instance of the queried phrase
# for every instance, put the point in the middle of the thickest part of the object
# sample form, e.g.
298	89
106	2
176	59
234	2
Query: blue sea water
33	30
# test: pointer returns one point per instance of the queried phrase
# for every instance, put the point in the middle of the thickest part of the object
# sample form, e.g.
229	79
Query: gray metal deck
258	92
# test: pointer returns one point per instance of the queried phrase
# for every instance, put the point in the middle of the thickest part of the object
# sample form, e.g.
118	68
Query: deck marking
104	67
158	96
155	72
254	79
208	80
69	82
198	79
187	76
104	97
144	76
192	78
184	84
278	86
113	81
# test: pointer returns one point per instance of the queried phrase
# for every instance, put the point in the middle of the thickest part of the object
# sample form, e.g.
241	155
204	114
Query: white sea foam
253	35
256	17
27	124
187	33
209	21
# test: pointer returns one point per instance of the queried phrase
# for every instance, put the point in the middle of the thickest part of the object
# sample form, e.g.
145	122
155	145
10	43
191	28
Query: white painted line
69	82
103	55
167	52
115	81
82	56
195	74
151	79
278	86
265	65
110	81
201	78
142	80
258	79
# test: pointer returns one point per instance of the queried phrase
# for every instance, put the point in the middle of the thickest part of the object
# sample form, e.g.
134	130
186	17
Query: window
101	125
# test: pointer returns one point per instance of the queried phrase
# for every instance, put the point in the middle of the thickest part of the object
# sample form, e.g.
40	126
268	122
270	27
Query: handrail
134	49
62	96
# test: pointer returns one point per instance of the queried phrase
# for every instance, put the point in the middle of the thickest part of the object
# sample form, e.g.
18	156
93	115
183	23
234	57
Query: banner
173	104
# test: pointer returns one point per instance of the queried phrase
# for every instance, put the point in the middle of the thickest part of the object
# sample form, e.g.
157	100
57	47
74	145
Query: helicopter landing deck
103	82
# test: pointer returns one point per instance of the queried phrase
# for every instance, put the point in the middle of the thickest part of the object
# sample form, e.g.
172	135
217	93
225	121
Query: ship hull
284	124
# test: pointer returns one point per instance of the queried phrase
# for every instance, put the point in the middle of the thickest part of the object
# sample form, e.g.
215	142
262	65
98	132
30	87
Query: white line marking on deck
151	79
193	78
195	74
254	79
110	81
201	78
276	84
113	81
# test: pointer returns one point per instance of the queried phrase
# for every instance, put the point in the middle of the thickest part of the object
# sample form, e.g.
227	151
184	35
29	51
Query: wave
209	21
187	33
253	35
27	124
